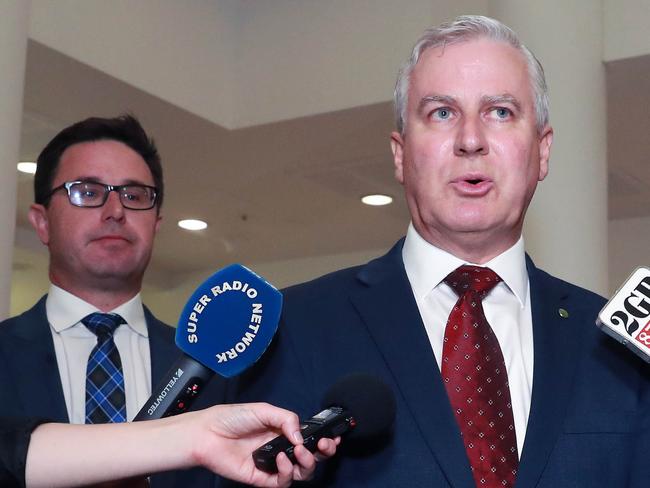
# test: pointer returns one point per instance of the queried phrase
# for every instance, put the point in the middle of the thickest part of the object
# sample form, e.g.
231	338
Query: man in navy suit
98	194
473	140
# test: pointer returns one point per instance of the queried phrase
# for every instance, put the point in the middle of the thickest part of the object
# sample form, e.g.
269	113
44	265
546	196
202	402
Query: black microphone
626	317
359	405
225	327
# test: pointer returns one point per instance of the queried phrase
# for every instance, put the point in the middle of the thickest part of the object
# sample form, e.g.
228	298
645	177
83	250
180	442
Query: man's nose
470	139
113	208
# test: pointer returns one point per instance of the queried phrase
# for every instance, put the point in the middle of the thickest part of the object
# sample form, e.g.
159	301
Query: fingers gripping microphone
359	405
225	327
626	317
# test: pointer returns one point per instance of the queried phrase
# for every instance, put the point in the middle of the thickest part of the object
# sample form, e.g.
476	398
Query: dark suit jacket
30	385
589	398
14	442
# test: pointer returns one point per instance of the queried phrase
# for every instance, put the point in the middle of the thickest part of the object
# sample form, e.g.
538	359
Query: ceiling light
377	199
27	167
192	224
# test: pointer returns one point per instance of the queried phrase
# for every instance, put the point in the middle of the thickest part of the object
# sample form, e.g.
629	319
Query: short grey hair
462	29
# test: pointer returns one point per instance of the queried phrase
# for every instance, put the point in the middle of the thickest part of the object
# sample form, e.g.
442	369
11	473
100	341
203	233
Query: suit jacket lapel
38	383
556	346
161	349
388	308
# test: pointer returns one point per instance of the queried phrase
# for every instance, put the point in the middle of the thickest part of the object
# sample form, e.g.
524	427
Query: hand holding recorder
220	438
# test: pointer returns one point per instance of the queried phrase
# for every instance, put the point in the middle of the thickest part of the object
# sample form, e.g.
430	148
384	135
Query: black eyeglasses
92	194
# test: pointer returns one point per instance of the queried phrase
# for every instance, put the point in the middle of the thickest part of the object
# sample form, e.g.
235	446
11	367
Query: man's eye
88	193
502	112
442	113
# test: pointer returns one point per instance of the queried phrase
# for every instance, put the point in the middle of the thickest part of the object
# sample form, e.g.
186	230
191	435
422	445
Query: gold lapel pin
563	313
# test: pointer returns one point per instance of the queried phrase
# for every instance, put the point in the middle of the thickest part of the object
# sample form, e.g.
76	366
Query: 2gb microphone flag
626	317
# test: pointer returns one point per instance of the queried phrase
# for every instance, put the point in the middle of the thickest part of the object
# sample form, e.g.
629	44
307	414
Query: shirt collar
427	265
65	310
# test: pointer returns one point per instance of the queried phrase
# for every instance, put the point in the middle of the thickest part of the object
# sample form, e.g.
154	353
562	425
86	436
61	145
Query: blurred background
273	120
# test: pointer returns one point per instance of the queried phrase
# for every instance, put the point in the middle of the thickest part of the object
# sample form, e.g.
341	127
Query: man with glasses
89	351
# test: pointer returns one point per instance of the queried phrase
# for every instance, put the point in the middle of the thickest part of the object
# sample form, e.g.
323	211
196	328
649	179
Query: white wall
626	28
30	281
13	45
626	35
629	248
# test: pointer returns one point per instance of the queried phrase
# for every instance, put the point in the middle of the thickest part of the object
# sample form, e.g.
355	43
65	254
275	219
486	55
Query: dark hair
125	129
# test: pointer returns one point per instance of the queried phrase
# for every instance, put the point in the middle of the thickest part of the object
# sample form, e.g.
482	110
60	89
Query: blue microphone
225	327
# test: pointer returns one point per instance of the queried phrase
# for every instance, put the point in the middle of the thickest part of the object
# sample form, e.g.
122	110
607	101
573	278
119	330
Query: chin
116	269
470	222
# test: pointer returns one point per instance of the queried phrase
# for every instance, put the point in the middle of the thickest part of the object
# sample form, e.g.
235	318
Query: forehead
108	161
475	68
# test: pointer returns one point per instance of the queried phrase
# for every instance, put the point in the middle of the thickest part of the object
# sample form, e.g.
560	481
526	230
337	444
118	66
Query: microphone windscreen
368	399
230	320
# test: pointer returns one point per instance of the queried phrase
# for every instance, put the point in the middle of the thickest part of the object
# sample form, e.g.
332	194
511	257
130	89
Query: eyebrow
446	99
499	99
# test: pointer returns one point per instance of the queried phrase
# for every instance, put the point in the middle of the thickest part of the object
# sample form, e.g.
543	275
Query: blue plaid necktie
105	399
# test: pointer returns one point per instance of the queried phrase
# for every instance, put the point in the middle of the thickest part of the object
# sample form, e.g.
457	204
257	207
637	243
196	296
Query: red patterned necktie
477	382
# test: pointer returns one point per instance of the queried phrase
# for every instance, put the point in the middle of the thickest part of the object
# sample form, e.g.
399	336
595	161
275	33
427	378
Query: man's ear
157	225
37	216
545	143
397	147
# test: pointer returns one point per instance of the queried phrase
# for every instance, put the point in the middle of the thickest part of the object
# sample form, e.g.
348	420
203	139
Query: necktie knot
103	325
468	278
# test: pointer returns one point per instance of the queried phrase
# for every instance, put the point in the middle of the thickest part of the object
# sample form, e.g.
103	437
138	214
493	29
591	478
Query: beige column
566	228
14	23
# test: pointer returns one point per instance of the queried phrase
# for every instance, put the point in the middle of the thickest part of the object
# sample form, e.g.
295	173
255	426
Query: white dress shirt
507	309
73	343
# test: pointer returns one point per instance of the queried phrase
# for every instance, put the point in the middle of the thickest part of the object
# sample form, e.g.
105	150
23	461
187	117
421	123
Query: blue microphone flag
230	320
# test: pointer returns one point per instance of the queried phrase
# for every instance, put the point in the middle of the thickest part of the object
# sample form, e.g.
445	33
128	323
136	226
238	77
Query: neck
104	298
473	247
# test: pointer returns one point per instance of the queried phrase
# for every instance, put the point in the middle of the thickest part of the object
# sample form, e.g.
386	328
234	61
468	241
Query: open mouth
473	185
